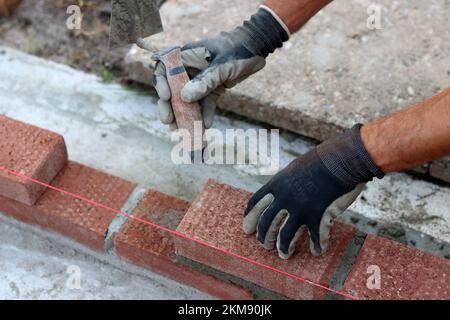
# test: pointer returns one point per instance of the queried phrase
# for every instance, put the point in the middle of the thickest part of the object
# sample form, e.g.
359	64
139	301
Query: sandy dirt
39	28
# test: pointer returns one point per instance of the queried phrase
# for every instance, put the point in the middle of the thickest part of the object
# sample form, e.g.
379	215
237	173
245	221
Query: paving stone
441	169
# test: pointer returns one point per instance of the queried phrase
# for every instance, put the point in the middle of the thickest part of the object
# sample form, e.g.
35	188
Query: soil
39	28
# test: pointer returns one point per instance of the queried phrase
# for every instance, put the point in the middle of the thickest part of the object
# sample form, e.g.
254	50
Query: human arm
296	13
316	188
221	62
411	137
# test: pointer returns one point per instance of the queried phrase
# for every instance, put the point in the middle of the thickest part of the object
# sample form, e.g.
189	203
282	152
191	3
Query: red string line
178	234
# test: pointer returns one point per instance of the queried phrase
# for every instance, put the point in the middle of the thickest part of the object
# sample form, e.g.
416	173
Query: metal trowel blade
132	20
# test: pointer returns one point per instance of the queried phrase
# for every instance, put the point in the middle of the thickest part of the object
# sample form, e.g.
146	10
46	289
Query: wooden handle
7	7
187	115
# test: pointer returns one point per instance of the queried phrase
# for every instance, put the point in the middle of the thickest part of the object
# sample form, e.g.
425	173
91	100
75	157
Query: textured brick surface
154	249
215	217
31	151
71	217
406	273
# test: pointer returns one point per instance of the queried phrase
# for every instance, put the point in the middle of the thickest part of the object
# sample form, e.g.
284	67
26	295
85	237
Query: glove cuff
364	154
263	33
347	158
277	17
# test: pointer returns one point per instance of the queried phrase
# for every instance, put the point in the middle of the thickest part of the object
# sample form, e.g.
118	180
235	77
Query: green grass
106	75
34	48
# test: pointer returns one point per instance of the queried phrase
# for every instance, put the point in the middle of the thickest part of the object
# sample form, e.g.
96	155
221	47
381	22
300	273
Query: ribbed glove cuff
262	34
347	158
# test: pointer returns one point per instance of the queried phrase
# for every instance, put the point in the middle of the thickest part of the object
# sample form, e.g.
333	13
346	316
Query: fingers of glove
314	241
271	234
256	206
173	126
195	57
205	82
319	243
243	70
165	112
165	108
160	82
266	219
232	83
209	105
290	233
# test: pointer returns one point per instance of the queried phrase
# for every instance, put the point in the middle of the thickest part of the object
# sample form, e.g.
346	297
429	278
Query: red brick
30	151
151	248
406	273
215	217
71	217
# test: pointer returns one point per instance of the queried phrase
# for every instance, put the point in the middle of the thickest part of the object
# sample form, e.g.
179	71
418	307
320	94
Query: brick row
215	217
153	249
383	269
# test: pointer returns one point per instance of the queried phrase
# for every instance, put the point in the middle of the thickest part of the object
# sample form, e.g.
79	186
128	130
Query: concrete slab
441	169
38	264
117	130
335	72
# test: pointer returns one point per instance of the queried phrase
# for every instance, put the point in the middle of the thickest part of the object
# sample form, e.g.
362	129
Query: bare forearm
399	141
411	137
296	13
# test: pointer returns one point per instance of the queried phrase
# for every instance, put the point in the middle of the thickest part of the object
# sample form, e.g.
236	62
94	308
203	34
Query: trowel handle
187	115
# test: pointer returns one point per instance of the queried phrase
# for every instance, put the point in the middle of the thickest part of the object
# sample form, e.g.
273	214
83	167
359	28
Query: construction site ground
71	83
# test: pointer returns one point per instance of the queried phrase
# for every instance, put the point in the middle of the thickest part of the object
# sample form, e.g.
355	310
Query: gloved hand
221	62
309	194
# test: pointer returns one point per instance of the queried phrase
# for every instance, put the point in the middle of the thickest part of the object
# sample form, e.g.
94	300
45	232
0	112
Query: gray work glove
221	62
309	194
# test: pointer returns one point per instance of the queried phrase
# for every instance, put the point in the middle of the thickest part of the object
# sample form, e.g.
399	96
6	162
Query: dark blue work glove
309	194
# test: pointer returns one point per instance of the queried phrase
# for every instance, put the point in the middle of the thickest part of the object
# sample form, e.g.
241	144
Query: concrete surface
38	264
335	72
117	130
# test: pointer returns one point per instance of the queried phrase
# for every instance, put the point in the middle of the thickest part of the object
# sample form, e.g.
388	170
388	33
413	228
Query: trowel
133	21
